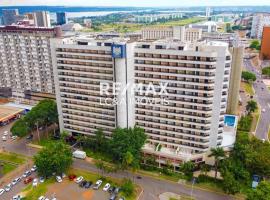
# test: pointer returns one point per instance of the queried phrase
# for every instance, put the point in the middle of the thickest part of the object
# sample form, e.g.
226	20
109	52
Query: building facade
173	32
42	19
25	61
9	16
265	44
258	22
188	122
61	18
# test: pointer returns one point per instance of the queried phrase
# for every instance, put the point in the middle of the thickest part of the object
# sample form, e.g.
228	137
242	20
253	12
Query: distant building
61	18
174	32
87	23
157	17
208	26
230	38
9	16
208	12
258	22
42	19
265	46
71	27
223	18
25	61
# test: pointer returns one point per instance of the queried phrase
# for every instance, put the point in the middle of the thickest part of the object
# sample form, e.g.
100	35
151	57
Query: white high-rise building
182	123
25	61
208	12
258	22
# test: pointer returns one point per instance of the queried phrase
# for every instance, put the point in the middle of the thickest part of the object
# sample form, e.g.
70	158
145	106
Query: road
151	187
262	96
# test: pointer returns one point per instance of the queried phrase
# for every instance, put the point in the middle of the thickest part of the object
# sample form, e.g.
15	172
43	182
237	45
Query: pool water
229	120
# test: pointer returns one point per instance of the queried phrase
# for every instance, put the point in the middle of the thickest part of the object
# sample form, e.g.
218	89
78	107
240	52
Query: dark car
113	196
139	177
88	184
83	183
71	177
29	137
111	189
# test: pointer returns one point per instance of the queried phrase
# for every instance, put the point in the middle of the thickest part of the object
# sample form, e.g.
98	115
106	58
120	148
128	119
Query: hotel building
25	60
197	77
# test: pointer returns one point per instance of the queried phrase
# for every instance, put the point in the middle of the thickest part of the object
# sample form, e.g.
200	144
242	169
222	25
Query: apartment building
265	47
25	59
196	77
42	19
258	22
173	32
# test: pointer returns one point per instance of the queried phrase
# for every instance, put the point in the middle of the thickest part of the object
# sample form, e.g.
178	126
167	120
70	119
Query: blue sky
150	3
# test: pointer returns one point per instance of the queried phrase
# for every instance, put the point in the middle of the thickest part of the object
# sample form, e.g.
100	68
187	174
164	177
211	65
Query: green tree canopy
255	44
251	106
187	168
20	128
248	76
266	71
218	154
229	184
262	192
56	157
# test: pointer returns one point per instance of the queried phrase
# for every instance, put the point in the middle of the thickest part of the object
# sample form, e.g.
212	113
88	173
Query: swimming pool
230	120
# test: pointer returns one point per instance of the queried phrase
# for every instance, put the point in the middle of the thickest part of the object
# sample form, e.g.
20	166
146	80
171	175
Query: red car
72	177
28	180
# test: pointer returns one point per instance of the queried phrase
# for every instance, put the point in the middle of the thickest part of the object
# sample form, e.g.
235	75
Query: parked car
111	190
35	182
16	180
79	179
82	183
97	185
121	198
88	184
41	179
79	154
14	137
34	168
4	138
5	133
8	187
255	181
117	190
63	175
26	174
58	179
113	196
106	187
29	137
2	191
17	197
71	177
41	198
28	180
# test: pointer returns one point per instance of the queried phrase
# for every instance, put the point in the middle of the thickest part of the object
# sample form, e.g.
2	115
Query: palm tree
205	168
218	153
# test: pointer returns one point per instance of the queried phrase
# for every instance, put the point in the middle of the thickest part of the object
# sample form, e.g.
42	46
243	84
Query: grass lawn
256	116
11	157
8	168
248	88
41	189
182	22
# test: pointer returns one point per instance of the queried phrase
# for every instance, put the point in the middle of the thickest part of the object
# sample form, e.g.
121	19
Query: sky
138	3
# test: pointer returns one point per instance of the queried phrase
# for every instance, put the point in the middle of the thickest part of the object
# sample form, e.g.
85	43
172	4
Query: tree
262	192
248	76
187	168
205	168
55	158
127	187
218	154
251	106
255	44
229	184
20	128
266	71
127	140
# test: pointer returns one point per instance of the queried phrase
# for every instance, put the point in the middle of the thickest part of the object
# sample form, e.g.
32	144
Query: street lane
262	96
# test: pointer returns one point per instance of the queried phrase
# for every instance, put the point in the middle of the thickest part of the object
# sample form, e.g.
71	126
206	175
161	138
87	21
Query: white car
16	180
97	185
17	197
41	179
34	168
79	179
263	110
14	137
41	198
2	191
4	138
58	179
6	133
26	174
8	187
35	182
106	187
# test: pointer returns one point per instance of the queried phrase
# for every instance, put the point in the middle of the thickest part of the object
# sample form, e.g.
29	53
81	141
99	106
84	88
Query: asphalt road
151	187
262	96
